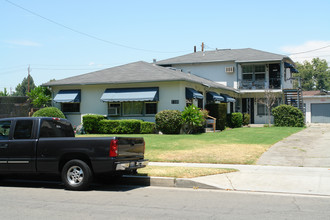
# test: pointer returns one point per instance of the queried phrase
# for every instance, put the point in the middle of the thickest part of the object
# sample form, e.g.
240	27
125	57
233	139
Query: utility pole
29	70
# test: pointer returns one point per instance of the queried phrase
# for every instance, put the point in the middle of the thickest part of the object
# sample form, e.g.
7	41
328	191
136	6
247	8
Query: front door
4	144
274	76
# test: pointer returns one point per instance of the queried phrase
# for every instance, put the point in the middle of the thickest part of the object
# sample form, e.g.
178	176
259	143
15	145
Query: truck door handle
3	145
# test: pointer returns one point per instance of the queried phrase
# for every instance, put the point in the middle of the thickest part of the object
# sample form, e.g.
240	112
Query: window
70	107
56	128
247	71
261	109
174	102
133	108
114	109
4	130
151	108
23	129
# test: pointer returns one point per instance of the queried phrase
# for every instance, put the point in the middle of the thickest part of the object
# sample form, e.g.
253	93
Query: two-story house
252	72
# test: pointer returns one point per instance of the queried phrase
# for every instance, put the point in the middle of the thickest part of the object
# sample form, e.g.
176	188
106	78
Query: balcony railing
259	84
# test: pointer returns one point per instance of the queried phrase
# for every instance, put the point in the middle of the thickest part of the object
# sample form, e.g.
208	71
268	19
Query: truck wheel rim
75	175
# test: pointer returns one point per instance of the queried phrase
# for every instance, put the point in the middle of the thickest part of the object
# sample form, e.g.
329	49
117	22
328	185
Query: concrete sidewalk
280	179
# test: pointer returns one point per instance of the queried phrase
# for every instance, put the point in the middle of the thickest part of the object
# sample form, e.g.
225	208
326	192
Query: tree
315	75
4	93
40	97
269	102
22	88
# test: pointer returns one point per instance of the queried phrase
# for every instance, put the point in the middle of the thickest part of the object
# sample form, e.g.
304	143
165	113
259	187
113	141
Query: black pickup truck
48	145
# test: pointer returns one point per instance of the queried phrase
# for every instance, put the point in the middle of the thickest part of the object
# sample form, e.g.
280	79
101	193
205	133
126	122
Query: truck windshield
56	128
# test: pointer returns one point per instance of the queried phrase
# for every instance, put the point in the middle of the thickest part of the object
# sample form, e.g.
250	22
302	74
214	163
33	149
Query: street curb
164	182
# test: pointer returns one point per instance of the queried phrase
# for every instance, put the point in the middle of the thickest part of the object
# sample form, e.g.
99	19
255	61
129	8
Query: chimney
202	46
154	61
195	49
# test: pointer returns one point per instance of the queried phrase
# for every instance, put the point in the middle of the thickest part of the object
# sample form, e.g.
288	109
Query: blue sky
61	38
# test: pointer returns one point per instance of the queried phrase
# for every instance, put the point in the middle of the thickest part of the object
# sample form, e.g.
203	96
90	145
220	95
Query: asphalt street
31	201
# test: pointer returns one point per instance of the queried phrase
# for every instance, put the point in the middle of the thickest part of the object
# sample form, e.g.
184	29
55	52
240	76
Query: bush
288	116
108	126
120	126
193	119
91	123
147	127
49	112
246	118
235	120
169	121
129	127
218	111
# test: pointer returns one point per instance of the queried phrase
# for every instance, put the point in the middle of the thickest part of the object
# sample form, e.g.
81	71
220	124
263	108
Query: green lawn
235	146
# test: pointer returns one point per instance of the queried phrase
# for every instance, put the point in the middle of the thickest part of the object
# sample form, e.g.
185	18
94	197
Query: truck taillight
113	148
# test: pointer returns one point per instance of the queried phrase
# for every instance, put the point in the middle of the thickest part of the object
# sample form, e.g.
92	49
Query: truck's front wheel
76	175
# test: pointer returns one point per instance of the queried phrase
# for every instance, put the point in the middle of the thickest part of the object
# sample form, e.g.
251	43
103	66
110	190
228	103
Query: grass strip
181	172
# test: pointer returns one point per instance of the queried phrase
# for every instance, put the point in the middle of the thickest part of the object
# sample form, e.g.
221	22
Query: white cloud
91	64
308	46
26	43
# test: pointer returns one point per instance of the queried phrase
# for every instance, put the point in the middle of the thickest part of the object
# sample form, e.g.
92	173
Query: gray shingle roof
137	72
235	55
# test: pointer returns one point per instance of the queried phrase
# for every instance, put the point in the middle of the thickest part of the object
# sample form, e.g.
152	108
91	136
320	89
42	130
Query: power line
89	35
308	51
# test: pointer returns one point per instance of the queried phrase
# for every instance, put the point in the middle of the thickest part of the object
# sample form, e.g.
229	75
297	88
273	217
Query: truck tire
76	175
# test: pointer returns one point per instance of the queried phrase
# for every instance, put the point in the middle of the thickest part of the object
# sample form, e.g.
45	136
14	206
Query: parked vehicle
48	145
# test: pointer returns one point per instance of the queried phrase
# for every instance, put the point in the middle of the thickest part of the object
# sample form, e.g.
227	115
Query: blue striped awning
193	94
130	95
213	96
228	98
68	96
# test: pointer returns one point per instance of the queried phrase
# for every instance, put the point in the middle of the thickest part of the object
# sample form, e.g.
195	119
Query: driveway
307	148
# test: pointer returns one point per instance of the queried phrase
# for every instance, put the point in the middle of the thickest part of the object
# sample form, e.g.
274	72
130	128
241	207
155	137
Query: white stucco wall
308	100
212	71
91	94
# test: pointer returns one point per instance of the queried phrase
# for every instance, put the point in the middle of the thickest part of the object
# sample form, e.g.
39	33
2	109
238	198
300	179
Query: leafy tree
4	92
40	97
22	88
315	75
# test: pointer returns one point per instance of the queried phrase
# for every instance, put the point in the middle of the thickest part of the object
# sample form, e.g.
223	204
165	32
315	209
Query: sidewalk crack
232	186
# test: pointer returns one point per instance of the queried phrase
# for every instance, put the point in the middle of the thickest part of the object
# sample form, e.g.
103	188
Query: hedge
147	127
125	127
218	111
49	112
288	116
91	123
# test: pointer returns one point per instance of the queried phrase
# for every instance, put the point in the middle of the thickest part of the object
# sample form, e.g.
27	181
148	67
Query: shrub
129	126
91	123
120	126
49	112
193	118
236	120
288	116
218	111
246	118
147	127
169	121
108	126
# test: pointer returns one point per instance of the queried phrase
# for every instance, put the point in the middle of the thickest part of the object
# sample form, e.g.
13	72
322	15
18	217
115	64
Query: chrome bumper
131	165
